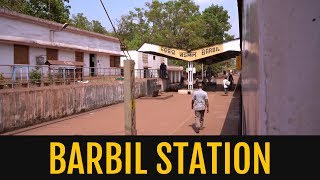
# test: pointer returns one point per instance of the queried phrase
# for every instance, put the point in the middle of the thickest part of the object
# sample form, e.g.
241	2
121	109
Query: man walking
199	103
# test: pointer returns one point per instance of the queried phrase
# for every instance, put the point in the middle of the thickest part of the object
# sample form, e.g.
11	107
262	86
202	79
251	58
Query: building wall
104	60
29	107
64	55
155	63
16	28
280	63
40	34
6	57
138	58
134	56
33	53
86	60
139	64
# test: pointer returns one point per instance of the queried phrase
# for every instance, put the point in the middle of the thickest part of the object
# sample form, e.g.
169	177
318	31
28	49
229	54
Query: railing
18	75
147	73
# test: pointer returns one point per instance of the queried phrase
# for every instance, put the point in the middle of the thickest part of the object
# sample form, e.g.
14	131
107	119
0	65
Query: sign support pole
190	75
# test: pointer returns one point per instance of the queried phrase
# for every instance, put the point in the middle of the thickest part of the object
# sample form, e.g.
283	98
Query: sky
93	10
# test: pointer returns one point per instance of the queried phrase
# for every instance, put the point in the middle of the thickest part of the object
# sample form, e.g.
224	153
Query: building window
21	54
145	58
154	57
79	56
114	61
52	54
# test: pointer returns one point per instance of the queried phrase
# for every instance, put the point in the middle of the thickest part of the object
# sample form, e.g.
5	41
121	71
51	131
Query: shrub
35	76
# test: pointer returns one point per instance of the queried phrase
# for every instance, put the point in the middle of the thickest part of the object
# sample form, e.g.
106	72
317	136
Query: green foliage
1	77
51	10
176	62
217	67
172	23
176	24
54	10
220	66
216	20
35	76
98	28
50	77
81	21
20	6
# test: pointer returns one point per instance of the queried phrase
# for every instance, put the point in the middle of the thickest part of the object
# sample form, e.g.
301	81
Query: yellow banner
238	62
193	54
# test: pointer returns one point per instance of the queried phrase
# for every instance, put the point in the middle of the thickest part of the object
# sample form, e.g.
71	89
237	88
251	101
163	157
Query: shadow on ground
232	123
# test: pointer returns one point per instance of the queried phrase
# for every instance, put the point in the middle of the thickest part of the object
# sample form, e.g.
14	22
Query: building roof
51	24
207	55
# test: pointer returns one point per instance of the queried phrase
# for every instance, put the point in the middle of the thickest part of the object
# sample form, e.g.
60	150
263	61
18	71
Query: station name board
191	55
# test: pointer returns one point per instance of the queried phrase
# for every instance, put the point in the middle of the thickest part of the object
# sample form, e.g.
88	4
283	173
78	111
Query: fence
18	75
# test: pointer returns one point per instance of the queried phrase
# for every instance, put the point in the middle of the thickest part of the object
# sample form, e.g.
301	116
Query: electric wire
115	31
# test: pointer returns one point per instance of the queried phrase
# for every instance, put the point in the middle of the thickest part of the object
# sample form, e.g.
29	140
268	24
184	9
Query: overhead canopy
64	63
207	55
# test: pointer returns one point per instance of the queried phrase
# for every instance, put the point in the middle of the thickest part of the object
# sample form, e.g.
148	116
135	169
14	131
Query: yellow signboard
238	62
193	54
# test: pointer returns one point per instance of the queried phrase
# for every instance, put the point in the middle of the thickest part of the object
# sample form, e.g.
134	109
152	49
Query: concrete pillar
129	99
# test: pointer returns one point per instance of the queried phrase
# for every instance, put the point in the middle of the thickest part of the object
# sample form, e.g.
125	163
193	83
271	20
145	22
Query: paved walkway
171	116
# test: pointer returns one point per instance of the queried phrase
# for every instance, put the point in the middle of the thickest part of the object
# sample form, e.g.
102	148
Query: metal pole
129	99
202	72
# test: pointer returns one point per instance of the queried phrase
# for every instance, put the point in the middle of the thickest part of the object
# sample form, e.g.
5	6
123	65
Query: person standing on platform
165	73
182	81
213	82
161	70
225	84
230	79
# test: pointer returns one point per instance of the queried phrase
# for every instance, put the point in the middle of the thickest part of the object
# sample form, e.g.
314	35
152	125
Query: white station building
30	41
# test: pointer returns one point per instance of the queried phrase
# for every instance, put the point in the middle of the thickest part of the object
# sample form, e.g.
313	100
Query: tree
175	23
20	6
172	23
134	29
53	10
80	21
216	20
217	23
98	28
